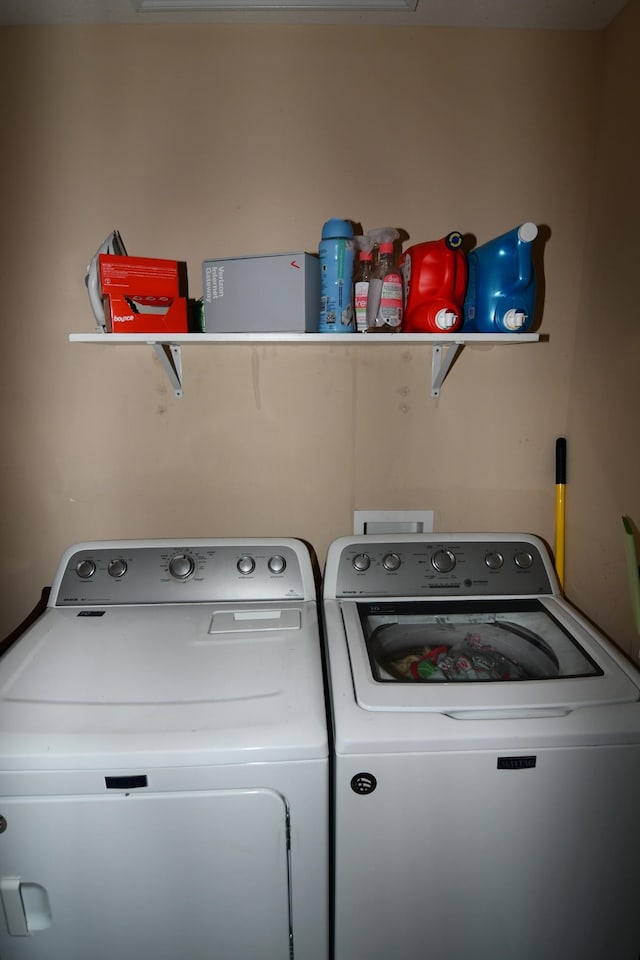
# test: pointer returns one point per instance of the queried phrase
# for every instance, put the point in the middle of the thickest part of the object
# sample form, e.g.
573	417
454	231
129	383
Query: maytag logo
516	763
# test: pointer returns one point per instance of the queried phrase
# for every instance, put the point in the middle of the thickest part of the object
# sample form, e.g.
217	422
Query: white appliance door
199	876
480	856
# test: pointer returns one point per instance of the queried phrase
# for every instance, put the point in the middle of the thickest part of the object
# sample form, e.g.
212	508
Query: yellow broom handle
561	480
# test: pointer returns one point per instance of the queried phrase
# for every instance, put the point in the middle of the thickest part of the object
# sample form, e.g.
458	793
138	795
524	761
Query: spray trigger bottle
362	280
386	295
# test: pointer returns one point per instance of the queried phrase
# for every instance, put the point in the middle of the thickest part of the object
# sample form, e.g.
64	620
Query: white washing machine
487	757
164	758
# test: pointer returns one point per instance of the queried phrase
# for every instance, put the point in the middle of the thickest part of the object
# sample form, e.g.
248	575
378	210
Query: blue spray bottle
501	289
337	253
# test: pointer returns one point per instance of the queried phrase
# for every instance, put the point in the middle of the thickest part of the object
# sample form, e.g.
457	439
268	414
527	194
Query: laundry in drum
464	651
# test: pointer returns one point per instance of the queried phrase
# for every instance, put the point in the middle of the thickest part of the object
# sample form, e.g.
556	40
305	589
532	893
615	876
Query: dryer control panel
447	566
147	572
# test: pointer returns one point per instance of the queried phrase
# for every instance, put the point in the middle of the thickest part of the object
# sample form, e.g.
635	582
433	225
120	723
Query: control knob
85	569
362	562
443	561
391	561
181	566
277	564
117	568
523	560
494	560
246	565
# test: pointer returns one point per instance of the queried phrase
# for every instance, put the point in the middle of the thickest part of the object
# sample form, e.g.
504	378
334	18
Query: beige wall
604	399
219	140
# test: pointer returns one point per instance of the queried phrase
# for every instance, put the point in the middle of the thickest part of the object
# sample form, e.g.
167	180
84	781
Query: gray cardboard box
275	293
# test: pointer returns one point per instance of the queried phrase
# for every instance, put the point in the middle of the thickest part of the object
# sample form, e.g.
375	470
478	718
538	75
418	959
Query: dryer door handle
26	906
13	906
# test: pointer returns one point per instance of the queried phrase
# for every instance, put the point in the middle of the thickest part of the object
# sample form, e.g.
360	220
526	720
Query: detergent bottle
362	279
385	306
501	287
435	283
337	251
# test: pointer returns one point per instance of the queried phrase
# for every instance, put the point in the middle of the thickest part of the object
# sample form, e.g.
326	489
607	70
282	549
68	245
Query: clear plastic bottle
361	282
386	293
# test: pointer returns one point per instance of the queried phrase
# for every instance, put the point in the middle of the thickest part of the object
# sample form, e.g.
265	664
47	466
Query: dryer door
199	875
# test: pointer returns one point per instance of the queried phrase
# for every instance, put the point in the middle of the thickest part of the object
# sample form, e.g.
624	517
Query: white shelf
168	345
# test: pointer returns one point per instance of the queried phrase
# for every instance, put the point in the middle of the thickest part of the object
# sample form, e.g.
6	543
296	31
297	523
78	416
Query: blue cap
337	228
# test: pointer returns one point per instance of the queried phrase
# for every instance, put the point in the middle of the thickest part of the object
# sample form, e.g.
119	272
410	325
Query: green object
426	669
196	316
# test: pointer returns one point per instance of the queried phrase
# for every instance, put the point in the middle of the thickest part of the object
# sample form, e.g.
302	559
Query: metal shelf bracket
170	356
441	361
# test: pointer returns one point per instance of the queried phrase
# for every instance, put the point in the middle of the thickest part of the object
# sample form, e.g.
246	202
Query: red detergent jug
435	283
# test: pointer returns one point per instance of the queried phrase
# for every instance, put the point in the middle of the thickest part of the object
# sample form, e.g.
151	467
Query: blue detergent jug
501	287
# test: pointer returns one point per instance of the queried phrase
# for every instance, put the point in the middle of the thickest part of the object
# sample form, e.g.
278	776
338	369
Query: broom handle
561	481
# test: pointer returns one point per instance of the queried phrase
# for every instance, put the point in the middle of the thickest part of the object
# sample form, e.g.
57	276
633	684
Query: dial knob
391	561
523	560
443	561
361	562
494	560
117	568
246	565
181	566
277	564
85	569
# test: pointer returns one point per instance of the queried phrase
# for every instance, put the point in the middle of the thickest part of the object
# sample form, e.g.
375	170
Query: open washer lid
484	656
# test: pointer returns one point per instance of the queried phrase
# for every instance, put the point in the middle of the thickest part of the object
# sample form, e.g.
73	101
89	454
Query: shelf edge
355	338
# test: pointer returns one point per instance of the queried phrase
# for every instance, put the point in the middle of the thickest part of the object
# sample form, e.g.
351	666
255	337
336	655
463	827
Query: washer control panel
176	572
443	568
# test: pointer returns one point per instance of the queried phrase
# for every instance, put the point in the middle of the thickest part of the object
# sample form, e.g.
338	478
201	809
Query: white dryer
164	758
487	757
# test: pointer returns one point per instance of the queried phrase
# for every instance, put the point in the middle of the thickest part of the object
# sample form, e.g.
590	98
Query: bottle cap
337	228
527	232
386	248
